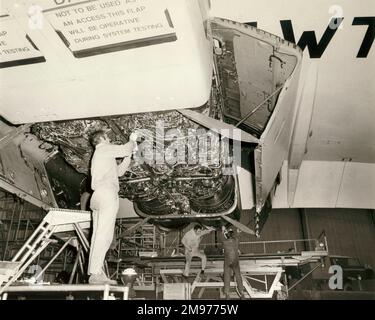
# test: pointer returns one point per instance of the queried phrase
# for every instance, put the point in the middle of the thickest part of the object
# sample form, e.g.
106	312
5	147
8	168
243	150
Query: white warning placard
102	26
16	47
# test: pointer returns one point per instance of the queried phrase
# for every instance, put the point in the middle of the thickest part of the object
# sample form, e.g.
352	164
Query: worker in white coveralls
191	241
105	201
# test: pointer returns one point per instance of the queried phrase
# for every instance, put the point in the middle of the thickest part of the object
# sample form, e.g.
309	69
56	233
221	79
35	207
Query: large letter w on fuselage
308	38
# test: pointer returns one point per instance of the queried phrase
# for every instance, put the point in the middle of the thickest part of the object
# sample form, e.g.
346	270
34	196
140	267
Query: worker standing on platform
105	201
191	241
231	261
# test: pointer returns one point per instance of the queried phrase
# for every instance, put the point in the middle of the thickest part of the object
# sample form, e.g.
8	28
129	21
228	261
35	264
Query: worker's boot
201	275
101	279
241	294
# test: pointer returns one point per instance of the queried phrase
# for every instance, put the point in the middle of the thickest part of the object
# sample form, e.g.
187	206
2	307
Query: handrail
270	242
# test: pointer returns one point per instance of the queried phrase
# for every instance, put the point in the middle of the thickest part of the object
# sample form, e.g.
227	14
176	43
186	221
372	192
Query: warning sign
96	27
16	48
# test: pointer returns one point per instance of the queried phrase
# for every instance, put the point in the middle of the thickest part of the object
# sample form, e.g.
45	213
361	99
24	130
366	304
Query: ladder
38	241
56	220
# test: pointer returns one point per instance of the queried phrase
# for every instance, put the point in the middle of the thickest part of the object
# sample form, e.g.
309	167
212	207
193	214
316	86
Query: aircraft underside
186	170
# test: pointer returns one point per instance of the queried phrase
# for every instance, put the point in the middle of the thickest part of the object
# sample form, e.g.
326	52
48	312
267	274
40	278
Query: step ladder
56	220
38	241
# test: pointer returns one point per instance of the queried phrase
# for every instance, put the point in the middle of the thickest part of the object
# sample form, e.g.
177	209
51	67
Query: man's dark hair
96	137
198	227
229	233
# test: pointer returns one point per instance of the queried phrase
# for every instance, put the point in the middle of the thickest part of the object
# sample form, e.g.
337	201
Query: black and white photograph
193	156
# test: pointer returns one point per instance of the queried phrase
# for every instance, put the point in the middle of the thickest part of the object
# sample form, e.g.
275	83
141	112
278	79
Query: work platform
213	278
262	273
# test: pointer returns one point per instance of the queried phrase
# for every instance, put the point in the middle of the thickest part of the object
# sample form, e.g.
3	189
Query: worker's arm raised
123	166
118	151
208	230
